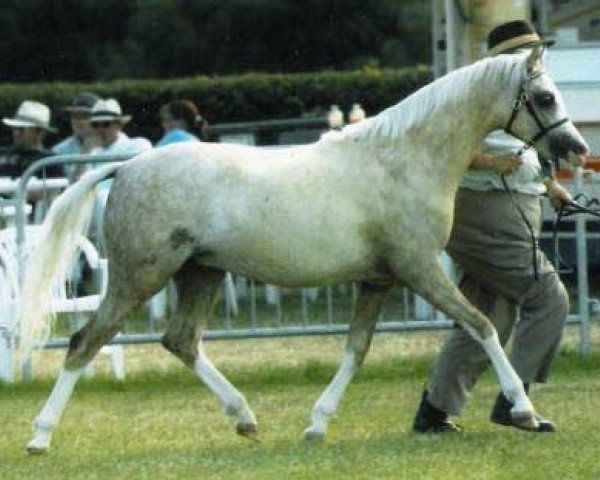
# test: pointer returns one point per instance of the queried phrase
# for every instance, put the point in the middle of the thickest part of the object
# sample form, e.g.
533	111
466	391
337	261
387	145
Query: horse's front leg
433	285
368	306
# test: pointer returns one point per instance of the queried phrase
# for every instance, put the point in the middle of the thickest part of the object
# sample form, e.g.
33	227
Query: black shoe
430	419
501	415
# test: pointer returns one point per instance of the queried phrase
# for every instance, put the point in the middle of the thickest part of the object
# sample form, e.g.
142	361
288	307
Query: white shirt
527	179
124	144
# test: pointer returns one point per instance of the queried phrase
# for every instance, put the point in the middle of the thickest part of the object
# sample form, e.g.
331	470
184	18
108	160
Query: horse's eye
545	99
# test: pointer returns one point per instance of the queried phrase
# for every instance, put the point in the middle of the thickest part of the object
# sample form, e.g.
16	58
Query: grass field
161	423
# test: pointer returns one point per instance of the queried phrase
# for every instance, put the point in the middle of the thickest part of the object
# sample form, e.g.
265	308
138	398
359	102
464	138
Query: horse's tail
50	254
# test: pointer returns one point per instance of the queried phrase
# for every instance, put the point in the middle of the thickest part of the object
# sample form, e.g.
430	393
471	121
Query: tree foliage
91	40
231	98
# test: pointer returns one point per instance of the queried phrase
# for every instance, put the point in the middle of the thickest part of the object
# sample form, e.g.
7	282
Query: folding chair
62	302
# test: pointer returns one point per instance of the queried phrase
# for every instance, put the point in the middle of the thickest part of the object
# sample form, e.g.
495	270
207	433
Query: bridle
524	99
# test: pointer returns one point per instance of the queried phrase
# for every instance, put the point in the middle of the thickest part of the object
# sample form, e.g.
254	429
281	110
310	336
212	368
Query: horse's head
539	116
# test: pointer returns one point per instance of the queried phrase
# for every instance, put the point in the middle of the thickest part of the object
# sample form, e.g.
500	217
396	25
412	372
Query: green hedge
237	98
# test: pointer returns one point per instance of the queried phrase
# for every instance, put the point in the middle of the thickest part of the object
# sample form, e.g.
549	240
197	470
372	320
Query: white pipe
582	274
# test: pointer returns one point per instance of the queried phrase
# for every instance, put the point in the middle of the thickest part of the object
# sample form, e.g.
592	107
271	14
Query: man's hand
557	193
504	164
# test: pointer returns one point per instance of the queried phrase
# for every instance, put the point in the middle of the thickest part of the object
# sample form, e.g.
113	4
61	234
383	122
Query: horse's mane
420	105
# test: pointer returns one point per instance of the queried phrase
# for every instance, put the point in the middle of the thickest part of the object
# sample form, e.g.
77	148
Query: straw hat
31	115
108	111
515	34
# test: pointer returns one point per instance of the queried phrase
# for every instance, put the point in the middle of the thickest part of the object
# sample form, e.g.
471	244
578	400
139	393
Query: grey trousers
492	245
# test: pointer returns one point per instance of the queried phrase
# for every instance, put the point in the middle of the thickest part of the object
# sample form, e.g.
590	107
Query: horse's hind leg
198	289
437	288
369	303
82	348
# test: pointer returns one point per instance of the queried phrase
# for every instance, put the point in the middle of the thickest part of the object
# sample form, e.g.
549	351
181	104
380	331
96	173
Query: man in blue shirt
83	140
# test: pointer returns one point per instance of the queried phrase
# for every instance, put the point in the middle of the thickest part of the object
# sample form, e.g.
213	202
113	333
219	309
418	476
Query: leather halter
524	98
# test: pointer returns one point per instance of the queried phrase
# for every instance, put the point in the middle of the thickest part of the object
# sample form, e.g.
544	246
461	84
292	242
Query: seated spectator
83	139
180	121
29	127
107	120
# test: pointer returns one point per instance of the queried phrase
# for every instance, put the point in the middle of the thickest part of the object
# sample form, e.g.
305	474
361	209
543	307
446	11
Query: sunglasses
102	124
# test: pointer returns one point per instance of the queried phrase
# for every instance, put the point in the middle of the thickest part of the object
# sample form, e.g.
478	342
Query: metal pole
304	307
543	22
438	38
253	304
279	307
582	273
452	37
329	305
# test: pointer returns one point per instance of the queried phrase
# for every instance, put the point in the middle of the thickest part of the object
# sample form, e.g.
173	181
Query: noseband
524	98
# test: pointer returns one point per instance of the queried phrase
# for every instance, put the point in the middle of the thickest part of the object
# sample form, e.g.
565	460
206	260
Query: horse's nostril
580	148
566	143
585	150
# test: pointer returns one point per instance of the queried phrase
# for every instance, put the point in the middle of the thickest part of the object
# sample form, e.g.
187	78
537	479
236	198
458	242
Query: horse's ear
534	60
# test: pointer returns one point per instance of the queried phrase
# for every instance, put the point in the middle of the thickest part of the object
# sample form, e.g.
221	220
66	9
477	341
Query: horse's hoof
313	436
525	420
248	430
36	449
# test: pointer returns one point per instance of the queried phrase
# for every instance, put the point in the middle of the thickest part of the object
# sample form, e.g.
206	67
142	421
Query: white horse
372	203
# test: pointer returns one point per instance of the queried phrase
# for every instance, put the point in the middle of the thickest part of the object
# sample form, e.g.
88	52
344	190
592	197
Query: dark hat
83	102
515	34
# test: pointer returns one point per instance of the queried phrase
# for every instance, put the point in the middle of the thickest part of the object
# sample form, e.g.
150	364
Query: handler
493	246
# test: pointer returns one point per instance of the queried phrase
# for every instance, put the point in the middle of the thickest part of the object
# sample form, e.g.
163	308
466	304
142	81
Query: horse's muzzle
562	143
